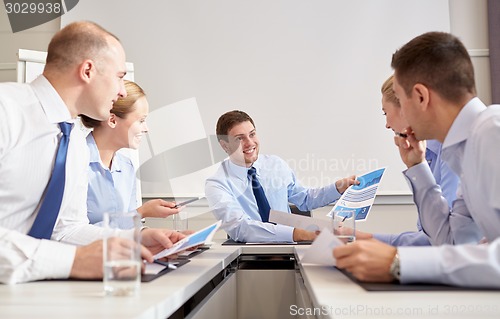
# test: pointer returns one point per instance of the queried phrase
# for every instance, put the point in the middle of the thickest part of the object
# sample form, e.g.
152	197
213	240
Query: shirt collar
433	146
93	150
460	129
258	166
52	104
96	158
241	172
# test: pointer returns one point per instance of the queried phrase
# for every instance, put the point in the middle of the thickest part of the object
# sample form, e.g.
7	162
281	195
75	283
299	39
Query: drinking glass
344	224
122	253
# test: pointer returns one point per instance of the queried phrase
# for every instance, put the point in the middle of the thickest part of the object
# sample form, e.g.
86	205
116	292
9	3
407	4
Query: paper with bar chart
357	200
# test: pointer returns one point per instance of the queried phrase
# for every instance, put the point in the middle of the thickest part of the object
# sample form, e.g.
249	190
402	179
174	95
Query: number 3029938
33	8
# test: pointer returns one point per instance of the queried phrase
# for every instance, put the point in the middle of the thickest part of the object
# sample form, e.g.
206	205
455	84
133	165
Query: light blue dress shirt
110	190
229	195
444	177
471	149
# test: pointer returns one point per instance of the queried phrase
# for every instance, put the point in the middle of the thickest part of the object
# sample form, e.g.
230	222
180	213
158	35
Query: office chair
297	211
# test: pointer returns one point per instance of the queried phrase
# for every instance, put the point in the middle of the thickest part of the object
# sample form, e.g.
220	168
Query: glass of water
180	221
122	253
344	224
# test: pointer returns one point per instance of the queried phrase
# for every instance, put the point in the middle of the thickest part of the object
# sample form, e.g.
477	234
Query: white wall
308	72
469	21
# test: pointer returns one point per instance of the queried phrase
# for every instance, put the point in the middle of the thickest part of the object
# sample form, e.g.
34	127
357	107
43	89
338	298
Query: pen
186	202
166	264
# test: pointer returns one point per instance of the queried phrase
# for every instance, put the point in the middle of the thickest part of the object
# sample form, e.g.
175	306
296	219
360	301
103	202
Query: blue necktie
260	196
47	215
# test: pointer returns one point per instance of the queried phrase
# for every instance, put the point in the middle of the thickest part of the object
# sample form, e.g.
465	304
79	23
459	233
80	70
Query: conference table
246	281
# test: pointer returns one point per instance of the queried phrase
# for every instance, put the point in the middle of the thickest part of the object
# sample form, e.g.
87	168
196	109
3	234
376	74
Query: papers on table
199	238
321	250
360	197
153	269
298	221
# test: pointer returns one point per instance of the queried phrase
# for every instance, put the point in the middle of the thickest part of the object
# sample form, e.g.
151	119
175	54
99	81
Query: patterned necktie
260	196
47	215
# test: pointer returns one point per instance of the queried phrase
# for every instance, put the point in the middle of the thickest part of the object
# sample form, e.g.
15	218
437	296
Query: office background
308	72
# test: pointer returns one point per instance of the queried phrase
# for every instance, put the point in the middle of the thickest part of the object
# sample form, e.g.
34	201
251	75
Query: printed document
358	199
298	221
199	238
321	250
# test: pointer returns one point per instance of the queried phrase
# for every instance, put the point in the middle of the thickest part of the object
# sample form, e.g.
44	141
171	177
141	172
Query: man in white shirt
83	75
434	82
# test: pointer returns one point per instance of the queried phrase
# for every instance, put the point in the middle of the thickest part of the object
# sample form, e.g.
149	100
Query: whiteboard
30	65
308	72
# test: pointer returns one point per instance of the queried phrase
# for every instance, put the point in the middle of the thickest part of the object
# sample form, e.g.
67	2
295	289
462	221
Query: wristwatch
394	269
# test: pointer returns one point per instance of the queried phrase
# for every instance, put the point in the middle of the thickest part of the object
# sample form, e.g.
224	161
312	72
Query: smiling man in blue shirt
230	192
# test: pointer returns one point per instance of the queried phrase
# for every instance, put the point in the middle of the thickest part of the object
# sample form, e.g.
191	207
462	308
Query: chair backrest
297	211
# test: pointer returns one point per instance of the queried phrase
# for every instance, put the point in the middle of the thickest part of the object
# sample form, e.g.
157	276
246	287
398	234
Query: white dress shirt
29	138
471	149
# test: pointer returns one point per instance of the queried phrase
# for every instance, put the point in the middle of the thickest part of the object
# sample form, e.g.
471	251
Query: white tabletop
336	296
332	294
85	299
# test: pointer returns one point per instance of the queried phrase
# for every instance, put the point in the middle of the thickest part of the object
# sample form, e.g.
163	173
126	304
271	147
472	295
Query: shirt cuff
333	193
420	176
419	265
385	238
284	233
50	265
409	238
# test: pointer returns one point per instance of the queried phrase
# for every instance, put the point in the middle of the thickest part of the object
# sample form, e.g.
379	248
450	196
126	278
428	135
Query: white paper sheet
321	250
153	269
298	221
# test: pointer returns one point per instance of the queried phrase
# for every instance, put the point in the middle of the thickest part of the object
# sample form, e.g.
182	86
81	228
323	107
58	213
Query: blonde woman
112	182
445	178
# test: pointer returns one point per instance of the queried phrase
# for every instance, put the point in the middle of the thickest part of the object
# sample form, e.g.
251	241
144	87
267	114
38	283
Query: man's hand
88	263
411	150
344	183
158	208
188	232
304	235
368	260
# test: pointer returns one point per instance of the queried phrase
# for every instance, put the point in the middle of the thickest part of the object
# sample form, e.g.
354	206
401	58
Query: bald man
83	75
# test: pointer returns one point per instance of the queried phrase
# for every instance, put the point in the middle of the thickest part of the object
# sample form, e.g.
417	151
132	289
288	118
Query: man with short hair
434	82
248	185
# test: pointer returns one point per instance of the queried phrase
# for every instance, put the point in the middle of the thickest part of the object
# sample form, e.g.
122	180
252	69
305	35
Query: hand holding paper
320	252
360	197
298	221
